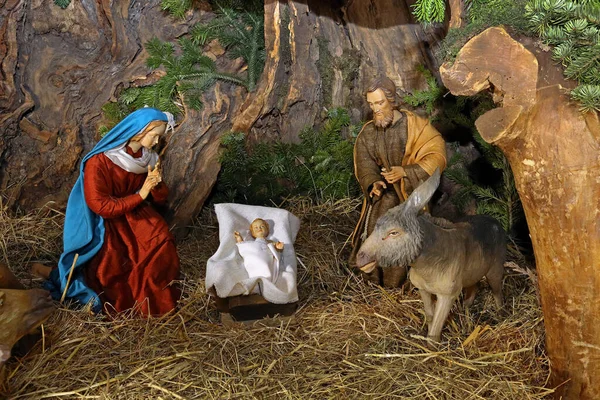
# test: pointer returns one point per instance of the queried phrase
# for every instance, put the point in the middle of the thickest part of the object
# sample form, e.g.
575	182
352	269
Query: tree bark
323	54
554	153
192	155
457	14
59	67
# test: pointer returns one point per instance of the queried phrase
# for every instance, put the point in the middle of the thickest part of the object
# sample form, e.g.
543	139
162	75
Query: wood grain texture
59	67
554	152
323	54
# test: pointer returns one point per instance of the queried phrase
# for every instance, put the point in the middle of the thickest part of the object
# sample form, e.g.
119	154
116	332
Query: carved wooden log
554	153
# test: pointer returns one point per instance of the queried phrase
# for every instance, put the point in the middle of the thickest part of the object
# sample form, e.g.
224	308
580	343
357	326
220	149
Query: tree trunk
323	54
554	154
192	155
457	14
60	67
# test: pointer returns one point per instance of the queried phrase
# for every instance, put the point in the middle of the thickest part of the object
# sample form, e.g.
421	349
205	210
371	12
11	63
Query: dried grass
349	338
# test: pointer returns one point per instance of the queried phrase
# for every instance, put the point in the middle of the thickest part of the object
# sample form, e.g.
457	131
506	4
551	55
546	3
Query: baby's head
259	228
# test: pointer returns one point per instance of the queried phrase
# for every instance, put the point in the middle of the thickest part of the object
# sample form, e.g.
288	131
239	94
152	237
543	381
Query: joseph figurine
393	154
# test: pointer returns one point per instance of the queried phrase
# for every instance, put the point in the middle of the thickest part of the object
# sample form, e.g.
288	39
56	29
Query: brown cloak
413	143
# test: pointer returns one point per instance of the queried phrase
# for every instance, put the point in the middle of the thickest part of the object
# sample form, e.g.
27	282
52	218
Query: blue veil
84	230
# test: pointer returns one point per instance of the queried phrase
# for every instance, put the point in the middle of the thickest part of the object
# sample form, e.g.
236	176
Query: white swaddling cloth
226	270
261	258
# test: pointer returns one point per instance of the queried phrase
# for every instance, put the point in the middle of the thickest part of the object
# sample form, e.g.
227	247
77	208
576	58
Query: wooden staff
69	277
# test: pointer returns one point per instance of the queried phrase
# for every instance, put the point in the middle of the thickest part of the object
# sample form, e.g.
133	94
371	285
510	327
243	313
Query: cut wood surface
554	152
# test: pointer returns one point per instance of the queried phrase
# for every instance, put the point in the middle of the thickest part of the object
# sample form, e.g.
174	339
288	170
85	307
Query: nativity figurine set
119	253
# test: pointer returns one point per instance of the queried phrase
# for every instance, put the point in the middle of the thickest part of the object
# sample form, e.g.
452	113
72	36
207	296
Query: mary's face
152	135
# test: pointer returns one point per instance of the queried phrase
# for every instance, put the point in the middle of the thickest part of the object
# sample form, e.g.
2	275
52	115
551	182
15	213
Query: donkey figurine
444	257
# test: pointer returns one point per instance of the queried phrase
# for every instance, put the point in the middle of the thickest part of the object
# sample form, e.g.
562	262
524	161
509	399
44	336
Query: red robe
138	260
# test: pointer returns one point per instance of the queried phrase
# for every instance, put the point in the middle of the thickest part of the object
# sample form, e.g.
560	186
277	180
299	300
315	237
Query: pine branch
320	166
427	97
159	53
177	8
588	97
62	3
428	11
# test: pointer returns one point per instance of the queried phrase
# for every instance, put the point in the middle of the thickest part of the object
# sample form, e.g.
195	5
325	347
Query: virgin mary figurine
126	254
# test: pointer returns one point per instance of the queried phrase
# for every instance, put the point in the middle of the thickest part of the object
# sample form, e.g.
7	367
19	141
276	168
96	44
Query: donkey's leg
494	278
470	293
394	277
442	309
428	304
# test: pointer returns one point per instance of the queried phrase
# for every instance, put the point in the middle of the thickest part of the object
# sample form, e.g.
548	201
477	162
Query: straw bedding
349	338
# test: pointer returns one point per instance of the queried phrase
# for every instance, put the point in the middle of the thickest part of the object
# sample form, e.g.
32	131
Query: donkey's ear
422	194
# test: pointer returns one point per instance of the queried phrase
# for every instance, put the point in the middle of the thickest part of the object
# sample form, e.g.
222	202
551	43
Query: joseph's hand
394	175
377	189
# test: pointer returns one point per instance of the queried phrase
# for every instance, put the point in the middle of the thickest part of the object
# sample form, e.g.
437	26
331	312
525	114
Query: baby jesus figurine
261	256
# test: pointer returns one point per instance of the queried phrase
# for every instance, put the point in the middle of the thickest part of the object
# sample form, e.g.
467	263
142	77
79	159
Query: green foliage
321	165
239	27
113	113
62	3
486	13
588	97
187	77
429	10
498	199
427	98
573	27
177	8
482	14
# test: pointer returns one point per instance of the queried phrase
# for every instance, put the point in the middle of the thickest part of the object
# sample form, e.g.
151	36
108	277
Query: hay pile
349	338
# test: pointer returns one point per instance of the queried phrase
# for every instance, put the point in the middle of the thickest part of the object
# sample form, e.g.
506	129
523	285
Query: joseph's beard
384	120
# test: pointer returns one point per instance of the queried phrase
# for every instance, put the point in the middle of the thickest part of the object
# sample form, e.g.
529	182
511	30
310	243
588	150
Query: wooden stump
554	153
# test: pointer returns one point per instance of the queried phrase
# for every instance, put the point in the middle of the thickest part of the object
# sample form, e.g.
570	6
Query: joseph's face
379	104
259	228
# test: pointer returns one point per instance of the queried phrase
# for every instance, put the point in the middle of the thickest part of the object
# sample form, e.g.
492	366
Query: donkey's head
397	238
